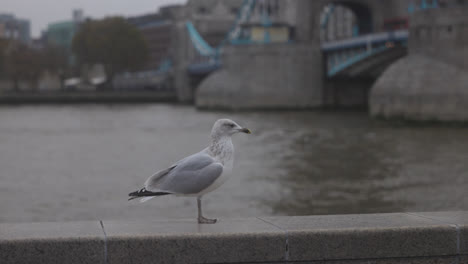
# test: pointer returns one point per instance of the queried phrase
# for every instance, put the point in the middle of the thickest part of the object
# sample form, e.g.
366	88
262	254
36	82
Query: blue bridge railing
345	53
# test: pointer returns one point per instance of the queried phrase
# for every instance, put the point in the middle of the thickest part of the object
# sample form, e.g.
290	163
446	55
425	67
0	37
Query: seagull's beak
245	130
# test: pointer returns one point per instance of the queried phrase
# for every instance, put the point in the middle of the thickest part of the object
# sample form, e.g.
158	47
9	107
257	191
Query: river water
79	162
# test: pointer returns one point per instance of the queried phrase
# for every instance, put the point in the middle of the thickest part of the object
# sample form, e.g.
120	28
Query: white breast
225	156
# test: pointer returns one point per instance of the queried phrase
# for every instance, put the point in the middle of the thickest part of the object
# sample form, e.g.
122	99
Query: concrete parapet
265	76
440	237
73	242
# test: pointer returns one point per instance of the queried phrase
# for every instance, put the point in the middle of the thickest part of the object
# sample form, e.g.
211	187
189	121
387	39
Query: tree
4	44
22	63
55	59
112	42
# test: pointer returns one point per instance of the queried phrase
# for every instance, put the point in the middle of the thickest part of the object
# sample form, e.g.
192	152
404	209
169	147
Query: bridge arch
345	19
363	14
370	14
352	62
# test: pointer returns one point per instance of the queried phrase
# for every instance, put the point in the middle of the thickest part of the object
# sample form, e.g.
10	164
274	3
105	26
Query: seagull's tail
145	195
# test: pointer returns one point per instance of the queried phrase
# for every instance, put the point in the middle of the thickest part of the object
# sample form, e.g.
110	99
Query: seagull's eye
232	125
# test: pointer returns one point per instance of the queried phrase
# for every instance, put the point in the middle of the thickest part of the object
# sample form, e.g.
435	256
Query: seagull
197	174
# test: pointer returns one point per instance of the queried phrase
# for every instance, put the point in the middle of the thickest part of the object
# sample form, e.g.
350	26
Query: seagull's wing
153	181
191	175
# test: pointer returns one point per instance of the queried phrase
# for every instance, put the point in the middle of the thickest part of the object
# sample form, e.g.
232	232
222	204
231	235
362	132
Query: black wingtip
141	192
144	193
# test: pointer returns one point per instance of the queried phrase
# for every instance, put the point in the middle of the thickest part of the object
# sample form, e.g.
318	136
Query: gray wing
191	175
153	181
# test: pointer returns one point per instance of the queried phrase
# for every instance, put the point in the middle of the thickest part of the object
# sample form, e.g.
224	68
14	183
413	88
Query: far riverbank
85	97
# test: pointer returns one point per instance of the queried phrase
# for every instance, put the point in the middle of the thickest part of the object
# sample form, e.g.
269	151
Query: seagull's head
227	127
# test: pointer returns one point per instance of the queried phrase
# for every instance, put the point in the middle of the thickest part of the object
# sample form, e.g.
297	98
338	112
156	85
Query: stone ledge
440	237
70	242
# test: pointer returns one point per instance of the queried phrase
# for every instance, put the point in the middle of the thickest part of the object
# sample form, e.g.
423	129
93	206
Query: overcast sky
42	12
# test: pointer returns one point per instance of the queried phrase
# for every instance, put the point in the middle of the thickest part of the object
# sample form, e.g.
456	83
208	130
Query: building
156	28
15	28
61	33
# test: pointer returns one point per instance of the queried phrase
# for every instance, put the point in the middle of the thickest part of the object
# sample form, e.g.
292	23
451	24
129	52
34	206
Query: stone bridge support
271	76
432	82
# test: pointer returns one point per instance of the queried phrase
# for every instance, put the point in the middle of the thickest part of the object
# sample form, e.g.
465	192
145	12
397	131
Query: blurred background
356	106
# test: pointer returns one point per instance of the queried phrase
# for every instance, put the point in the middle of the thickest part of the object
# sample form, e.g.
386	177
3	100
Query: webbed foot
203	220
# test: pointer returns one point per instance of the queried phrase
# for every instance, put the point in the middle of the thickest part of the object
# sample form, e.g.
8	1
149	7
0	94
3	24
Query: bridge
376	35
363	55
366	55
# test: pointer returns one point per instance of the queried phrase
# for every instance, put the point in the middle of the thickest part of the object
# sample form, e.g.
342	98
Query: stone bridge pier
270	76
431	83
